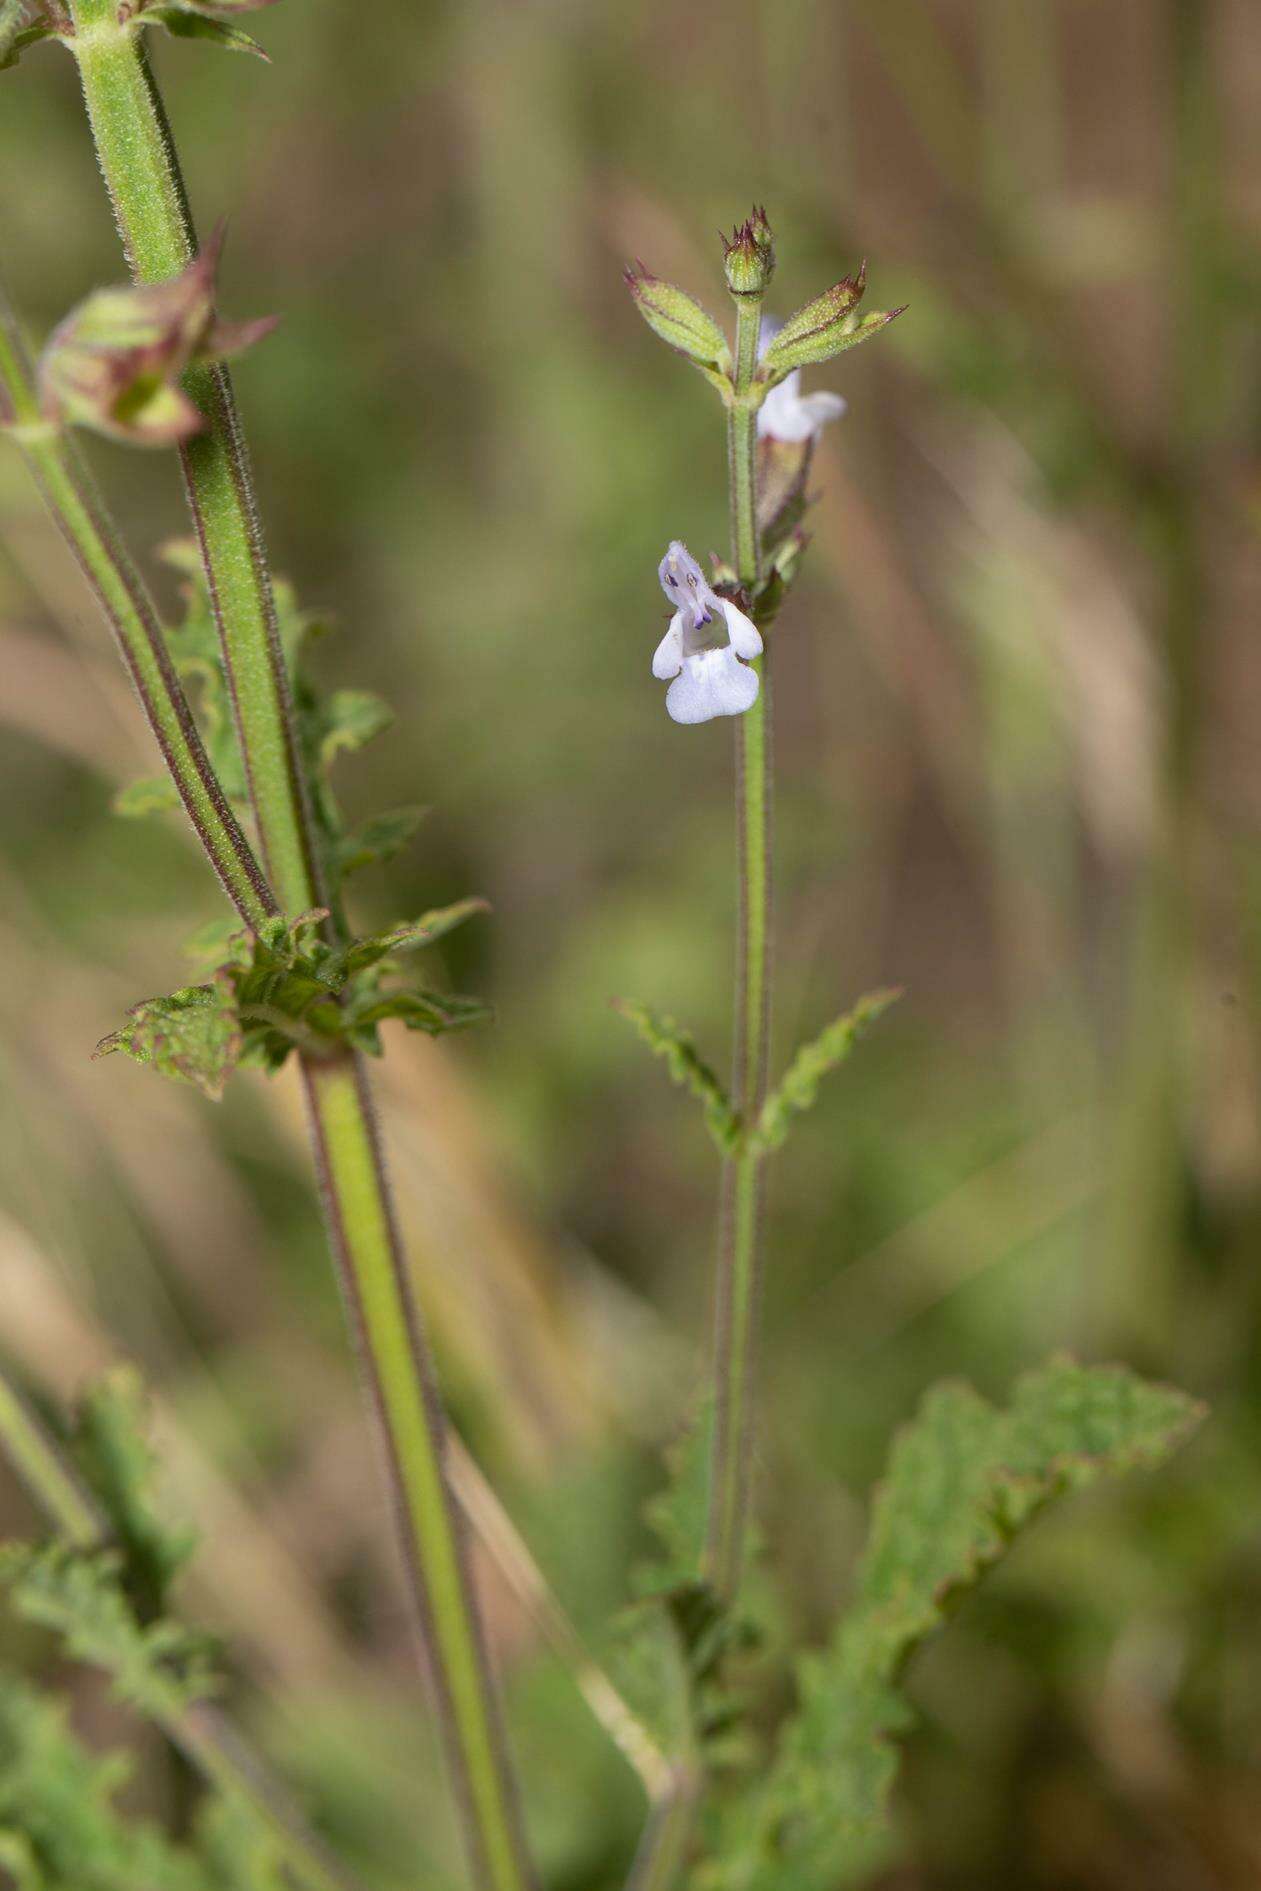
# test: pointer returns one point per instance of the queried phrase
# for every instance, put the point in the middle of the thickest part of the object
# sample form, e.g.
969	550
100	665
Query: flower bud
749	255
823	328
115	363
678	320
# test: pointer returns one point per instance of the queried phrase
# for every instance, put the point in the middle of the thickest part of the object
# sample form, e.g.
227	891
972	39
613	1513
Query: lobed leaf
434	1013
664	1038
375	841
61	1830
410	936
113	1450
963	1478
797	1090
283	987
152	794
194	1036
160	1667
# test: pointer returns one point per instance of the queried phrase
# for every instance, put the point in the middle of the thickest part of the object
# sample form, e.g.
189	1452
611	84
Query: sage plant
804	1804
719	659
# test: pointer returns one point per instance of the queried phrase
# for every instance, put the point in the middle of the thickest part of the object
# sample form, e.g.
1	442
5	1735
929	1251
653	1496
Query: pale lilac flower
787	413
703	646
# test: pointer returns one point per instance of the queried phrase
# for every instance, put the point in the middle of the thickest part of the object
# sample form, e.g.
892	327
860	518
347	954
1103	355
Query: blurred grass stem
138	160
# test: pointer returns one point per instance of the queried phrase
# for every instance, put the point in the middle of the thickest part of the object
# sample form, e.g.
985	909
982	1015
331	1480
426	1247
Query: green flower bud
749	255
115	363
678	320
823	328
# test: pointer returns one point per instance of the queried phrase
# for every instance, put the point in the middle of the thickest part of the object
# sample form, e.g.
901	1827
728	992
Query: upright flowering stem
737	1286
137	157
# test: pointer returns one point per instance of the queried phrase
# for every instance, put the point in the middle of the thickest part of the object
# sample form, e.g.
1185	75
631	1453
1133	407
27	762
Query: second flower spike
703	648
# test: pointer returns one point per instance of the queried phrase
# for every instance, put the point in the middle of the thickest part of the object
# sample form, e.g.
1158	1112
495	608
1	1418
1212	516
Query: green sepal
114	364
781	575
664	1038
16	39
799	1086
748	255
823	328
681	322
783	469
187	21
963	1479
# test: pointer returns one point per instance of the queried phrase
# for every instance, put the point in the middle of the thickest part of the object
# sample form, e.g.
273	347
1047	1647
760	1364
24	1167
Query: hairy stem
737	1285
201	1732
71	495
386	1324
142	176
137	157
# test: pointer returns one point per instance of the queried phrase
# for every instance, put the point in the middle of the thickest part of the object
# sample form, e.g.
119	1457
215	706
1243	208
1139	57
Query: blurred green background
1018	695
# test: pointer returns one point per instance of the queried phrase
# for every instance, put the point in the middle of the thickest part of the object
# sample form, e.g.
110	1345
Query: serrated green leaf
188	22
434	1013
963	1478
153	794
240	1853
375	841
194	1036
799	1086
676	1515
409	936
283	987
348	720
212	942
60	1829
112	1448
664	1038
160	1667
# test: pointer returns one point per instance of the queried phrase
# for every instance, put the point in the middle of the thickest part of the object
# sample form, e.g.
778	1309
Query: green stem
201	1732
138	160
738	1257
142	176
72	498
386	1324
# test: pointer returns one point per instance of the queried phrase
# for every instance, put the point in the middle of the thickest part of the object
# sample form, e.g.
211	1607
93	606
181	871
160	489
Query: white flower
703	646
787	413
